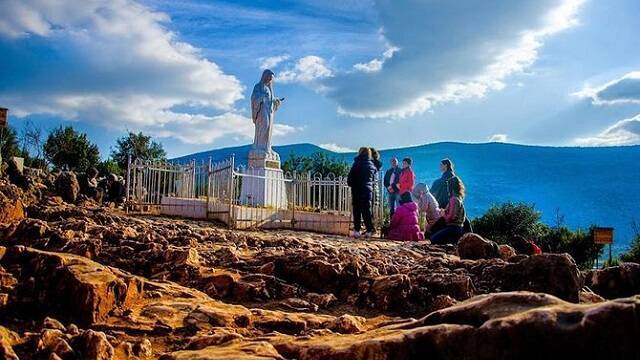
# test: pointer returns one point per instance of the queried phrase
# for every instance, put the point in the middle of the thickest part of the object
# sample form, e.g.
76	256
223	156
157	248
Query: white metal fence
215	191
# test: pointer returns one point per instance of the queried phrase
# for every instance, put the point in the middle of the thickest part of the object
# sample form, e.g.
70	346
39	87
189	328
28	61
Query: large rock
497	326
11	207
261	350
71	285
67	186
7	339
555	274
473	246
615	281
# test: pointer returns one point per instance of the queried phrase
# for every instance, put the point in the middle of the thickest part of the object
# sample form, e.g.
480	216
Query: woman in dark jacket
361	180
440	187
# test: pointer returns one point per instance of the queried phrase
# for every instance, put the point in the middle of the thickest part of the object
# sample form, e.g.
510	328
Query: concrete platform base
246	217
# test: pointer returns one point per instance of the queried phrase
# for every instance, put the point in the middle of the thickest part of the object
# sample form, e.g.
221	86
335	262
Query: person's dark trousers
393	201
449	235
357	217
437	226
362	211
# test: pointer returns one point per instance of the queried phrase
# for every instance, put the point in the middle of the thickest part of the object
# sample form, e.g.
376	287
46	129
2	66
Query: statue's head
267	77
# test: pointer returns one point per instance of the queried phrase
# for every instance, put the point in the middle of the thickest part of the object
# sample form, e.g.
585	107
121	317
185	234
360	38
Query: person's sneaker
354	234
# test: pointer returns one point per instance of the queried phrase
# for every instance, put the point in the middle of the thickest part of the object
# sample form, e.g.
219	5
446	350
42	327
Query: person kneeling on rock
454	216
404	223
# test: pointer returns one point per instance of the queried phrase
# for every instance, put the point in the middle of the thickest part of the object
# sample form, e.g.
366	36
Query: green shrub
501	223
107	167
318	163
579	244
633	254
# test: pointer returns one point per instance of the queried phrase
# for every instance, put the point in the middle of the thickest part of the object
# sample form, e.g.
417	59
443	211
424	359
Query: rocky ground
83	281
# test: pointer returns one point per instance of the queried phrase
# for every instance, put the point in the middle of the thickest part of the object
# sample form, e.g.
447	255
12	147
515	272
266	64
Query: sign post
603	235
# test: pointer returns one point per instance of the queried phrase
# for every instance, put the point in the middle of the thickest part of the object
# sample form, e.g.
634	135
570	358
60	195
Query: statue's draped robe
263	107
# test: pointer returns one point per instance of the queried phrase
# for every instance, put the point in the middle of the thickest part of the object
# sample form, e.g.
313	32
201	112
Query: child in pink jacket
404	223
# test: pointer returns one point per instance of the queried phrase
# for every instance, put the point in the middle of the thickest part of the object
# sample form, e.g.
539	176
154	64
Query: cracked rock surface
84	281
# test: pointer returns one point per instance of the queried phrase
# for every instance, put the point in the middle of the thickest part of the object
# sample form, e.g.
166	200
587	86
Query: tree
318	163
139	146
68	149
107	167
633	254
9	143
32	148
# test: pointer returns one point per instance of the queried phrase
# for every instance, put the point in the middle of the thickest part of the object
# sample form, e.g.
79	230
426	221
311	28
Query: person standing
440	187
407	179
361	179
391	178
375	157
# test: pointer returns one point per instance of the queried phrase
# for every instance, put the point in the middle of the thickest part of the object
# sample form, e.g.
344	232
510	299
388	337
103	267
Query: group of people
442	205
108	189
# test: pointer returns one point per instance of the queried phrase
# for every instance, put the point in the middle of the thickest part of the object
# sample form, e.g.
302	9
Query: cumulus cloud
448	51
272	61
337	148
624	132
498	138
306	69
624	90
114	63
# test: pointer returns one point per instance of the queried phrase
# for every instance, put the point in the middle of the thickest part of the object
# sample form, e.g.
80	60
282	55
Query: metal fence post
127	194
294	183
231	191
208	186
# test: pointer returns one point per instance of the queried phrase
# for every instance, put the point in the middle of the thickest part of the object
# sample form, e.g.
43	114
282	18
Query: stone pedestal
263	183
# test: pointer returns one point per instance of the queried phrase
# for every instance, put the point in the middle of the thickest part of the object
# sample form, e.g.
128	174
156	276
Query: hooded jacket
361	179
404	224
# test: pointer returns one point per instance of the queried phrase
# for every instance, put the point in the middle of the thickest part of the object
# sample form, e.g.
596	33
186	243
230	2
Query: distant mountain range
582	186
242	152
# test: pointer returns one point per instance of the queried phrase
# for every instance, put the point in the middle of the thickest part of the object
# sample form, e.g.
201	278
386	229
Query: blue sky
386	73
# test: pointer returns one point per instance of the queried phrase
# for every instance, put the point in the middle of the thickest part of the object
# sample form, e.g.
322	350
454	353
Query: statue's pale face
269	79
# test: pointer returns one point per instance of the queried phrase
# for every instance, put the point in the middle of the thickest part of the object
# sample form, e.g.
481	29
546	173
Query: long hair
375	154
448	163
364	152
456	187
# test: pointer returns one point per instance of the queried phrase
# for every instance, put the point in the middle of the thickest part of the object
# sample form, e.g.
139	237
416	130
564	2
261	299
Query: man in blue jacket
391	178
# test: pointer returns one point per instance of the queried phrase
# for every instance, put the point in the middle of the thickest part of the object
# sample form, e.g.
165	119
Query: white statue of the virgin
264	104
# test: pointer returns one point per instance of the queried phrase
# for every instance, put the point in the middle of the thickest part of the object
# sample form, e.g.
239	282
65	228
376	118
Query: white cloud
448	52
272	61
624	132
376	64
624	90
115	64
498	138
306	69
337	148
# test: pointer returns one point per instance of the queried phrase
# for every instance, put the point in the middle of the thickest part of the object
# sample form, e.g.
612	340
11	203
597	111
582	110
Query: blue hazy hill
242	152
585	185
